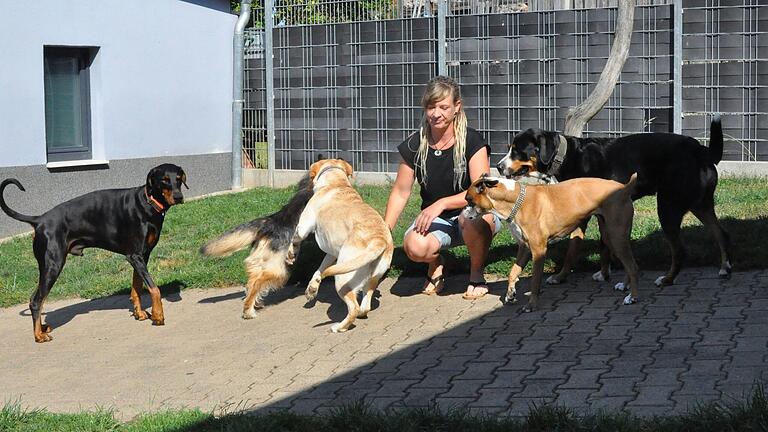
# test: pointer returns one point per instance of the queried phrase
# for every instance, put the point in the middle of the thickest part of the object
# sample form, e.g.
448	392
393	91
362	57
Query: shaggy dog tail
376	248
236	239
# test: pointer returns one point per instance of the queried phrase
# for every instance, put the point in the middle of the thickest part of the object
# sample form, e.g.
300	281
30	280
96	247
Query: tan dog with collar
357	242
538	214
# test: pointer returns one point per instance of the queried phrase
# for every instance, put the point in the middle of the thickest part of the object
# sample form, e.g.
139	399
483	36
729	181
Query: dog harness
155	204
562	149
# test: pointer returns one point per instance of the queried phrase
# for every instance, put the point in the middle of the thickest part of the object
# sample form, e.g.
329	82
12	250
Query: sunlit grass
741	204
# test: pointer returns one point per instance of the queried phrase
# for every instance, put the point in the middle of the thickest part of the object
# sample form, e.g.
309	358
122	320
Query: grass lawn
748	415
741	204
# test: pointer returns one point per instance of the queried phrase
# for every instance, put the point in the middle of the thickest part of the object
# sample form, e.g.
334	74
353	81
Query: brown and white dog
538	214
357	242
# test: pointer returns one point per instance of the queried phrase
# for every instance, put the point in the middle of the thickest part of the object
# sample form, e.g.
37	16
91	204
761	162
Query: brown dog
357	242
539	213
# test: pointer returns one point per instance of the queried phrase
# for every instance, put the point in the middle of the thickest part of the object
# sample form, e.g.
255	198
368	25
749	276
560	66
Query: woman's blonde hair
439	88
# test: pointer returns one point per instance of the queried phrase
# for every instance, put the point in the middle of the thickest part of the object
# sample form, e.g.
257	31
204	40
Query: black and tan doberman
124	221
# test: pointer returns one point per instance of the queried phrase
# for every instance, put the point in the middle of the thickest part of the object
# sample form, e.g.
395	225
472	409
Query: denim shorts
448	231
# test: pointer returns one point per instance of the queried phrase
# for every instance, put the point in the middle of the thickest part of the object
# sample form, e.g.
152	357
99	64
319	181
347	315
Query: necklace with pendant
439	152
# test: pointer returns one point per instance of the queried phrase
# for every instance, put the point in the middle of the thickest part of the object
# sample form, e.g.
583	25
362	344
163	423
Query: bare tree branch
578	116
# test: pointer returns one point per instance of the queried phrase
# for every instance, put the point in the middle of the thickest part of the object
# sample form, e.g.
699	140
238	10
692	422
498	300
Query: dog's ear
347	167
489	183
319	157
313	169
546	147
183	176
151	176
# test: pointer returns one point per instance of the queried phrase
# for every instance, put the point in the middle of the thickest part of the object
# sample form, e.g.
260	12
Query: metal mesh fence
348	76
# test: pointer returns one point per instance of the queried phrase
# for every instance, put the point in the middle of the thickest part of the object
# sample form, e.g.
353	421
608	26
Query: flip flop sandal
435	281
475	285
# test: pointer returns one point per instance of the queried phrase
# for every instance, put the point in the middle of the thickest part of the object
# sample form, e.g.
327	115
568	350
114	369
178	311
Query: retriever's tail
375	249
32	220
236	239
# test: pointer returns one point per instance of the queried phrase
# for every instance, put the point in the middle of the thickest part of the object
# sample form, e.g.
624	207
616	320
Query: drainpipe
237	95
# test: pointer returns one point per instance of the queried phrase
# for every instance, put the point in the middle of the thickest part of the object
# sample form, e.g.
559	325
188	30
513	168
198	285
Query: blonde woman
444	156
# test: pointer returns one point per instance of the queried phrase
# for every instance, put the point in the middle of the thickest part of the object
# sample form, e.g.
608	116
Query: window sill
76	163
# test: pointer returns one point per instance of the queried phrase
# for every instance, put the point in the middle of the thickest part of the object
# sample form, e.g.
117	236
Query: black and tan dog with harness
123	221
538	214
676	168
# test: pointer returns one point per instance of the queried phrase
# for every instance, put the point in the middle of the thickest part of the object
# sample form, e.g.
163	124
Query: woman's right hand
425	218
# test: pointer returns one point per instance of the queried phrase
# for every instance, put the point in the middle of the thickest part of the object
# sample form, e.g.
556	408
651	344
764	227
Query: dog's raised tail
375	249
716	140
236	239
32	220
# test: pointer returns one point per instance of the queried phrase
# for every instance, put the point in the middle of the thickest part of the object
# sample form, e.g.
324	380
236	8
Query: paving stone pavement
701	340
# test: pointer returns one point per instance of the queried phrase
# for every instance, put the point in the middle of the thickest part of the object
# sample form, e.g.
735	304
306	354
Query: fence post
269	78
237	94
677	67
442	24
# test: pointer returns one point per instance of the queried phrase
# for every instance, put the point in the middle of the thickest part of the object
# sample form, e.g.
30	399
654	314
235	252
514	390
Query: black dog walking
124	221
676	168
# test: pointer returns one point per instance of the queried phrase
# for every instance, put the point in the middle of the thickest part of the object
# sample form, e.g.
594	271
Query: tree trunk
578	116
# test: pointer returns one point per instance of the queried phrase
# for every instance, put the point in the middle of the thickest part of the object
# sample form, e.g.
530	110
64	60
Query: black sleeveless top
440	182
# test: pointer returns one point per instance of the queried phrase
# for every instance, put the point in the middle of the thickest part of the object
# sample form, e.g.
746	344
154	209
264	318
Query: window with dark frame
67	103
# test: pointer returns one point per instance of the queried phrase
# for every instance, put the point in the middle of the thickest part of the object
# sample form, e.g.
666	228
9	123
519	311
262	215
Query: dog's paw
725	272
529	308
158	321
554	280
363	314
290	258
249	314
621	286
140	315
628	300
43	337
598	276
337	328
511	297
310	293
663	281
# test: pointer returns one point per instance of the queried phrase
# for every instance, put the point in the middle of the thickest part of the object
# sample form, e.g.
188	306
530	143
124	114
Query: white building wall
161	82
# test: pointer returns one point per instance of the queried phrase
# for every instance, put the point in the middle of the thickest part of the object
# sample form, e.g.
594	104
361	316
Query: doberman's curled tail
236	239
32	220
716	140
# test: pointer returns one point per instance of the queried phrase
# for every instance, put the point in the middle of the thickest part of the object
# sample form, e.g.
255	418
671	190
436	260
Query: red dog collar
154	203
